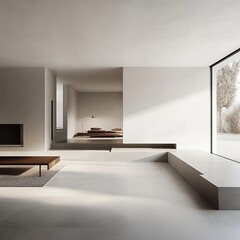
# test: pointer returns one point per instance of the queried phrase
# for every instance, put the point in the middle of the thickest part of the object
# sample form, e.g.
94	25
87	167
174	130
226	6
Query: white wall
22	100
170	105
106	107
50	95
71	112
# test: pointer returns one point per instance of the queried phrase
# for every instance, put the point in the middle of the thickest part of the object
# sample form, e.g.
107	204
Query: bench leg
40	171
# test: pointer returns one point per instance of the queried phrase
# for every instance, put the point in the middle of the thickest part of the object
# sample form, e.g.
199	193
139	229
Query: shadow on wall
146	88
167	105
71	75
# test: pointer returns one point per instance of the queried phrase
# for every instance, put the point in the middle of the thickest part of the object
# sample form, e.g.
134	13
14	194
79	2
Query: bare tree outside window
226	89
233	120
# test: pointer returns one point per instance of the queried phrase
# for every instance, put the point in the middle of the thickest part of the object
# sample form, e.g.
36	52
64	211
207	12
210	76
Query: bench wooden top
29	160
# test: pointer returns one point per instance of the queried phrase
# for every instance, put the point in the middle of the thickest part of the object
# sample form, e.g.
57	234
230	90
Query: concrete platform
106	145
216	178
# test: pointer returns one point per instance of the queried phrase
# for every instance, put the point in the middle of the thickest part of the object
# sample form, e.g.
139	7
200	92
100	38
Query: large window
59	102
226	106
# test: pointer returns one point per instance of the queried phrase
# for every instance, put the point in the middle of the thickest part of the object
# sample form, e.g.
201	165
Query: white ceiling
64	34
93	80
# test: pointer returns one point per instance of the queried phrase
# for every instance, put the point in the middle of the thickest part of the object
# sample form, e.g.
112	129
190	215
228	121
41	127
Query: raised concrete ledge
117	155
216	178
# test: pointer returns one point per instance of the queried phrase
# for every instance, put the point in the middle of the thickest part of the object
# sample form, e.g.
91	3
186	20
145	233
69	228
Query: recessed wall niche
11	135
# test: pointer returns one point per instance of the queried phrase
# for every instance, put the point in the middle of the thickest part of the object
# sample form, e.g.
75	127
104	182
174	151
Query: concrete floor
113	201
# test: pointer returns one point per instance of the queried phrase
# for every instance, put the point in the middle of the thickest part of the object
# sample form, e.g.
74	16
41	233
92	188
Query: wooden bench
48	161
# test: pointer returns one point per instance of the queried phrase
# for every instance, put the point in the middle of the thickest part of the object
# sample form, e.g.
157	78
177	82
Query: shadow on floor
143	180
13	171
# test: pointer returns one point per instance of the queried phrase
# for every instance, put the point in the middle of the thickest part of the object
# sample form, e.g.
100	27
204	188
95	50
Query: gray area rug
25	176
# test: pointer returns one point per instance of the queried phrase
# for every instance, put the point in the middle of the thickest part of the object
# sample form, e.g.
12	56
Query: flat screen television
11	135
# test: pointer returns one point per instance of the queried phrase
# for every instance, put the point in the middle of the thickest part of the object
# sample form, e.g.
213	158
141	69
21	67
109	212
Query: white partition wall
25	98
50	103
167	105
71	112
22	101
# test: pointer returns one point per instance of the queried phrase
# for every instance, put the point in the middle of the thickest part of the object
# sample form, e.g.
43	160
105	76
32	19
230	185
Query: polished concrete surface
216	178
113	201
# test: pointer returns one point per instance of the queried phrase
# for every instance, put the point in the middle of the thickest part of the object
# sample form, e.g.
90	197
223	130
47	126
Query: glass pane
226	107
59	104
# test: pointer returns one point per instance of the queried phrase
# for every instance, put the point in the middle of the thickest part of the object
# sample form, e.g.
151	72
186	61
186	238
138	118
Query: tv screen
11	134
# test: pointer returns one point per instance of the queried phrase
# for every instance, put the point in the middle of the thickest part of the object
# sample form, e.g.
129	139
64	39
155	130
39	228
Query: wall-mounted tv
11	135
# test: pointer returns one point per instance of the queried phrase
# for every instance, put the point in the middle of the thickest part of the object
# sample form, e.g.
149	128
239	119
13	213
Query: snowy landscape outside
228	110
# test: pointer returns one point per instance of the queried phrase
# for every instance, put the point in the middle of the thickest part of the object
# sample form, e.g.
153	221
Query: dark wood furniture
48	161
99	134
